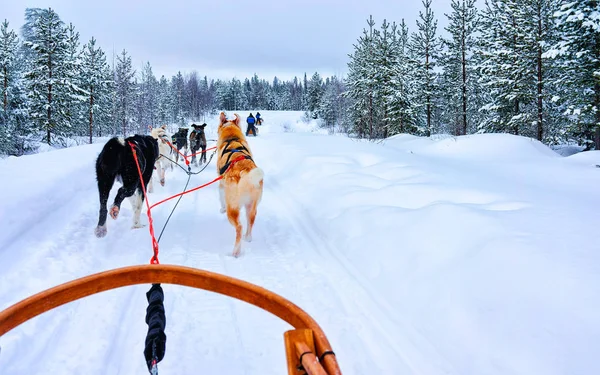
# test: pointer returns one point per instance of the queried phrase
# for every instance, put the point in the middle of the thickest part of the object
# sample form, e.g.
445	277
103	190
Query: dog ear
164	127
223	118
237	120
202	126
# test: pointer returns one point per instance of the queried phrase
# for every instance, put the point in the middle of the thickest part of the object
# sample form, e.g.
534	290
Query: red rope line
154	259
186	192
187	162
201	186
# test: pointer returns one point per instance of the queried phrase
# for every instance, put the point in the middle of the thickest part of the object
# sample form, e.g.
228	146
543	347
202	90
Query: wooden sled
304	345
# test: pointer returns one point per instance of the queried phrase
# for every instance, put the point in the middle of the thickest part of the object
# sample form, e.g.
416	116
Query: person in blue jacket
258	119
251	127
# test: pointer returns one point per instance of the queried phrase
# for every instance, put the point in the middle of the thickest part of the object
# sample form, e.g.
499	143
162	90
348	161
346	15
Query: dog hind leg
136	201
127	190
105	185
233	214
203	156
250	216
222	196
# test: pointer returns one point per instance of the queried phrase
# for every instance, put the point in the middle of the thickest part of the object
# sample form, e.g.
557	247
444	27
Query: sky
226	39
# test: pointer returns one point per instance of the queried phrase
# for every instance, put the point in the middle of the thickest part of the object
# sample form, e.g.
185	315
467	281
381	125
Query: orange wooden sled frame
303	345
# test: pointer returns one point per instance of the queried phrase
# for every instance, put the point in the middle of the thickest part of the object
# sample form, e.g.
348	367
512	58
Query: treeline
55	89
526	67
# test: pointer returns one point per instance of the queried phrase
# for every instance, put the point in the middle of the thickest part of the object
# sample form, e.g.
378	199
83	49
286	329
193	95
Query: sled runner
307	349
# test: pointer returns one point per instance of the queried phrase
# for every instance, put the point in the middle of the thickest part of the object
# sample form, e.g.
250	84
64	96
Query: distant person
258	119
251	128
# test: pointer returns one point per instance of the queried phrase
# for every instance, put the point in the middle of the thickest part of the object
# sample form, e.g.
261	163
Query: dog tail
255	176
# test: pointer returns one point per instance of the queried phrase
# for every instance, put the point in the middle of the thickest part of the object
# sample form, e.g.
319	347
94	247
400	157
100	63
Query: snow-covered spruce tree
459	75
425	49
360	83
332	104
76	96
9	44
237	95
578	55
96	80
47	80
400	108
536	17
177	98
206	100
9	80
513	68
504	69
163	112
124	91
385	54
192	96
314	93
147	103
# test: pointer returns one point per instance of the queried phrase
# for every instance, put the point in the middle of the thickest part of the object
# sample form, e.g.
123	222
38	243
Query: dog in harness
179	141
198	141
242	182
163	162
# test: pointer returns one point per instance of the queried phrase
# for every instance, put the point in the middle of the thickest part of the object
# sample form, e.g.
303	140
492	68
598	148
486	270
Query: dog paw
237	249
137	226
248	238
114	212
222	210
100	231
162	182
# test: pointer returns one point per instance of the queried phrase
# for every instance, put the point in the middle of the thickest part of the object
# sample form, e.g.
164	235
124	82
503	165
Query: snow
452	255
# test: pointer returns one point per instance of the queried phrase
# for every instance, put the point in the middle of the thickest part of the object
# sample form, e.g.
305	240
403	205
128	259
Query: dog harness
242	149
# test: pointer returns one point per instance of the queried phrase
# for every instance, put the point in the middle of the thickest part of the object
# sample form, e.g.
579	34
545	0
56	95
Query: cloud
223	39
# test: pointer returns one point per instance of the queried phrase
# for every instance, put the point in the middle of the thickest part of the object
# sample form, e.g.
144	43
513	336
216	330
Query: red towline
187	162
154	259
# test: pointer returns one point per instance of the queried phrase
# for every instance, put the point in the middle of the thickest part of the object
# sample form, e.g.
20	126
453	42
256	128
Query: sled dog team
241	185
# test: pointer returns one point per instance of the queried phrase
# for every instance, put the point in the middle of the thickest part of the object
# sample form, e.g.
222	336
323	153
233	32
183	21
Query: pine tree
177	98
314	93
96	80
9	43
11	92
47	80
75	96
147	103
385	54
163	101
401	111
578	55
124	91
332	103
536	16
458	67
360	81
425	48
504	69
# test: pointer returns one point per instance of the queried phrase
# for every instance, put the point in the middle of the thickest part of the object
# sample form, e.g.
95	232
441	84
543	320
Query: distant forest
525	67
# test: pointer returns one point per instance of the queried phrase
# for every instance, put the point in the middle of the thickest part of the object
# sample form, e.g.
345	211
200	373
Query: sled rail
59	295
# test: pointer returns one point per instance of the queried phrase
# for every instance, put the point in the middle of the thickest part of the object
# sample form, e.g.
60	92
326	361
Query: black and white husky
116	162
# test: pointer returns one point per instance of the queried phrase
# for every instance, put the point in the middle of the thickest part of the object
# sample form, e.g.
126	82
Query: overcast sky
224	38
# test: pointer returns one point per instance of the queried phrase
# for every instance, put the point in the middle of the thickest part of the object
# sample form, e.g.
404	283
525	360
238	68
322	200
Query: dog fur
116	161
198	141
162	163
179	140
242	182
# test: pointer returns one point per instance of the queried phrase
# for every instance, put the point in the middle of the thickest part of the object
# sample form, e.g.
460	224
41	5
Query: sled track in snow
416	351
